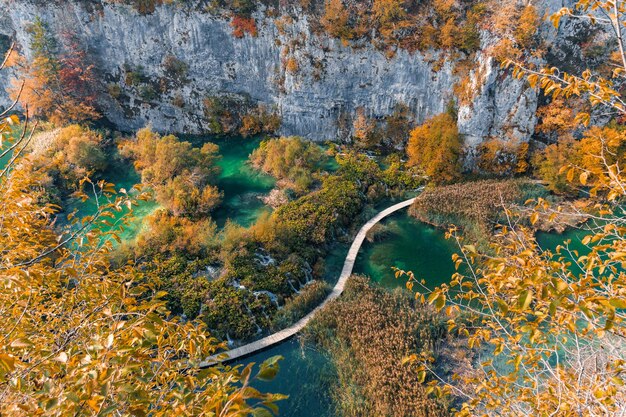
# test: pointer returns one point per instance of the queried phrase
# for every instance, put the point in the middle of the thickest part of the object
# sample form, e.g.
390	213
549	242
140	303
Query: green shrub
148	92
290	159
175	68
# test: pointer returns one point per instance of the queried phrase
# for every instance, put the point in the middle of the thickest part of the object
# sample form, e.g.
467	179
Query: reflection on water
241	184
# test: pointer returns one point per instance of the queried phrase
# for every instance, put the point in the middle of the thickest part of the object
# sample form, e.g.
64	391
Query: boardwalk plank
292	330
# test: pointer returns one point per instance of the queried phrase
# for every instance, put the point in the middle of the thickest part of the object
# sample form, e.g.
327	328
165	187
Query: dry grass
475	207
368	331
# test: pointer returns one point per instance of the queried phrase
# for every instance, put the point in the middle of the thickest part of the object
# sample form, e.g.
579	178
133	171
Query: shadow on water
305	375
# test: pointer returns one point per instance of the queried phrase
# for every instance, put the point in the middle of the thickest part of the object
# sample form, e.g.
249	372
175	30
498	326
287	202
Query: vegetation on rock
56	85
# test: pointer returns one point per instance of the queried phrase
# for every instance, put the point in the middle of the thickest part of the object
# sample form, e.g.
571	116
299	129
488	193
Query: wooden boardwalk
348	265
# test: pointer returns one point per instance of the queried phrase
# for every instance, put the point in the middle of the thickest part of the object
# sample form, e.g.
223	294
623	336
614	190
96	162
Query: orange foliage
365	134
57	89
291	65
180	175
242	25
448	34
559	164
336	20
516	28
556	118
166	234
259	120
390	15
526	26
549	163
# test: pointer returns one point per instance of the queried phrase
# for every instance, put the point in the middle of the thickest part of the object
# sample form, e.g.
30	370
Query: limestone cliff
331	82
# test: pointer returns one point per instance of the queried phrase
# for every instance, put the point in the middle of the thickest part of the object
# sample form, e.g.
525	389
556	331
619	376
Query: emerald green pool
241	184
408	245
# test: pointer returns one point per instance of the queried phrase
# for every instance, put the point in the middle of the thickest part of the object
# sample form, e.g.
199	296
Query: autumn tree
515	25
557	120
57	86
165	234
435	147
80	337
291	160
366	134
390	15
258	120
335	20
549	165
550	322
396	127
585	159
181	176
503	157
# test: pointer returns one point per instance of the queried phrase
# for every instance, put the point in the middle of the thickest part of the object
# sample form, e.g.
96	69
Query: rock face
315	101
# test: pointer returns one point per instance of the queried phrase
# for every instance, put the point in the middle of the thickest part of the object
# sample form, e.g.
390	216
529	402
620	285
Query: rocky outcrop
315	101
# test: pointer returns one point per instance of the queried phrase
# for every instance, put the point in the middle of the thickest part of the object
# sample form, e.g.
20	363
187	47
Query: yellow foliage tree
180	174
503	157
435	147
335	19
365	132
557	118
55	87
79	337
390	16
551	324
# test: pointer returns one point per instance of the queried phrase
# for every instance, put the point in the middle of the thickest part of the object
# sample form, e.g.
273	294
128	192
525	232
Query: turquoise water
242	185
305	376
550	241
124	176
408	245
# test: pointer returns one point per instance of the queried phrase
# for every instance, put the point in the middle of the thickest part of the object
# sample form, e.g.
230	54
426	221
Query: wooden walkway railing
275	338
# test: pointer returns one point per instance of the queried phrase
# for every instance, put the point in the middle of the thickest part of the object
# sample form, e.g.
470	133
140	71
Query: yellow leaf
583	178
526	297
534	217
